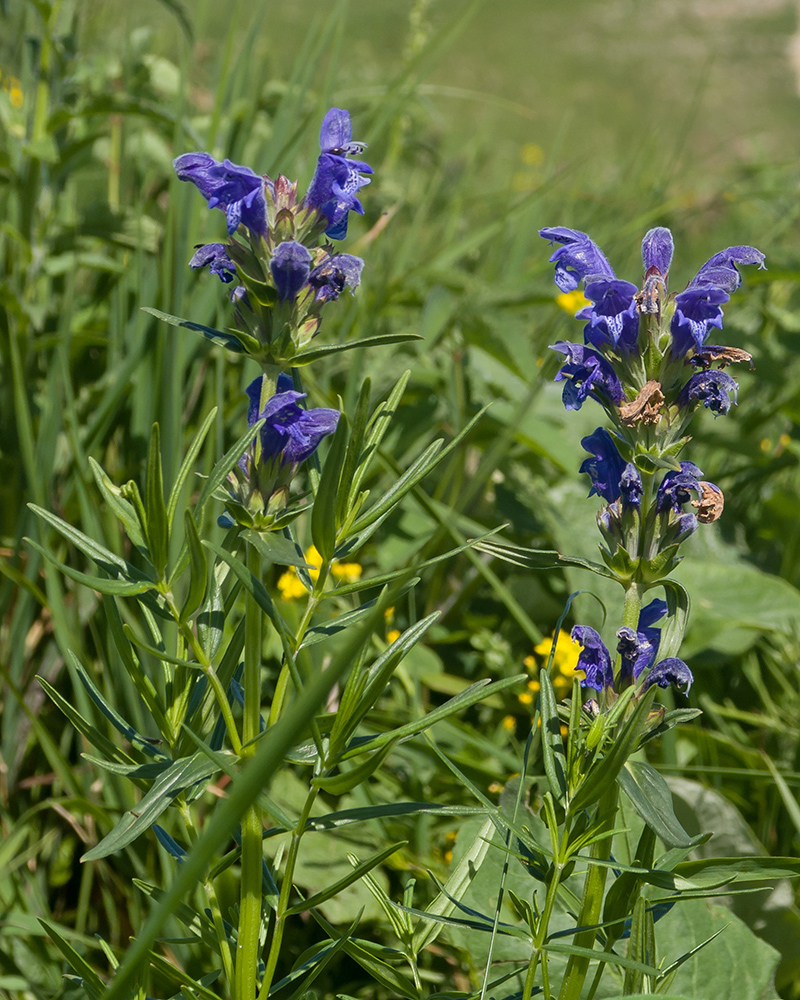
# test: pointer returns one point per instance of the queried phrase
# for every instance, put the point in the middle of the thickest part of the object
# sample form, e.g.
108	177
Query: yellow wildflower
526	698
532	155
392	635
291	586
571	302
565	662
509	723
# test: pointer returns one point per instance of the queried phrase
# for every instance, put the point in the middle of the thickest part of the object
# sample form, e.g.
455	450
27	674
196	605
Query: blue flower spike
334	187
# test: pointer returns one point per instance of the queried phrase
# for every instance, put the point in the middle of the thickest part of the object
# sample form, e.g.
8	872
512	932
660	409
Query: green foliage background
485	122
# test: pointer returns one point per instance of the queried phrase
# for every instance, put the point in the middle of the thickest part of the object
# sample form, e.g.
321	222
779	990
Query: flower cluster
645	359
283	278
258	489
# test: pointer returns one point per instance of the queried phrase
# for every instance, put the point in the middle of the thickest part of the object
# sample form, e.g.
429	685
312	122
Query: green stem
633	605
284	900
247	953
578	966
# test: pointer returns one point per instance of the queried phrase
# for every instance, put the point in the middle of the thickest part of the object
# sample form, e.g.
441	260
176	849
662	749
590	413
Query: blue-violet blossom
605	466
238	191
215	257
713	388
585	373
336	181
292	271
675	488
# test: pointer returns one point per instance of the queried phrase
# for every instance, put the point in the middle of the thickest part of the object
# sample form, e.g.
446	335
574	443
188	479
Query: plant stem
633	605
578	966
247	953
285	894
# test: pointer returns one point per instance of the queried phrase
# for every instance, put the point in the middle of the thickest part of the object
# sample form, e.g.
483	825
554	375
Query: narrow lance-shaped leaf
323	515
198	568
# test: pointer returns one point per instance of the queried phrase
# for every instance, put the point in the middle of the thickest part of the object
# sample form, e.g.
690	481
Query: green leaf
674	629
354	459
92	983
338	784
332	890
225	464
552	742
121	507
135	739
388	810
86	729
427	461
157	529
540	558
117	588
323	515
182	774
602	775
454	888
315	353
652	800
471	696
238	343
747	869
187	465
276	549
198	568
624	963
211	620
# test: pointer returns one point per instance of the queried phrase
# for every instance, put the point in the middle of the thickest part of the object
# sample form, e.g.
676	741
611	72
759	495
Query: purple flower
290	267
630	486
594	659
696	311
699	307
720	270
672	671
613	317
606	465
637	653
579	258
586	373
336	181
215	257
238	191
713	388
290	434
337	272
674	490
657	250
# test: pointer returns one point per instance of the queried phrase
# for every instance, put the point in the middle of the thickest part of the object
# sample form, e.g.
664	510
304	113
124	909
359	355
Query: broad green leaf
652	799
182	774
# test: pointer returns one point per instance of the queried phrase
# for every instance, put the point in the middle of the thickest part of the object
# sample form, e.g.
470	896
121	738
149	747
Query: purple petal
237	190
657	250
614	317
585	373
720	270
578	259
637	652
594	659
671	671
215	257
712	388
334	274
696	311
605	467
290	267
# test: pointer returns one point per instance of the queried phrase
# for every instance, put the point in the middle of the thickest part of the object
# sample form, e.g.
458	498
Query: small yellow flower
565	662
291	587
526	698
530	662
15	96
532	155
766	444
393	635
534	686
509	723
388	614
571	302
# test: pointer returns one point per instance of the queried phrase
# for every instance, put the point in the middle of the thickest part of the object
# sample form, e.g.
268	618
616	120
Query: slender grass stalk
247	954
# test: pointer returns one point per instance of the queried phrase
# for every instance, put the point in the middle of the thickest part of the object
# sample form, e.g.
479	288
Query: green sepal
654	570
620	563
